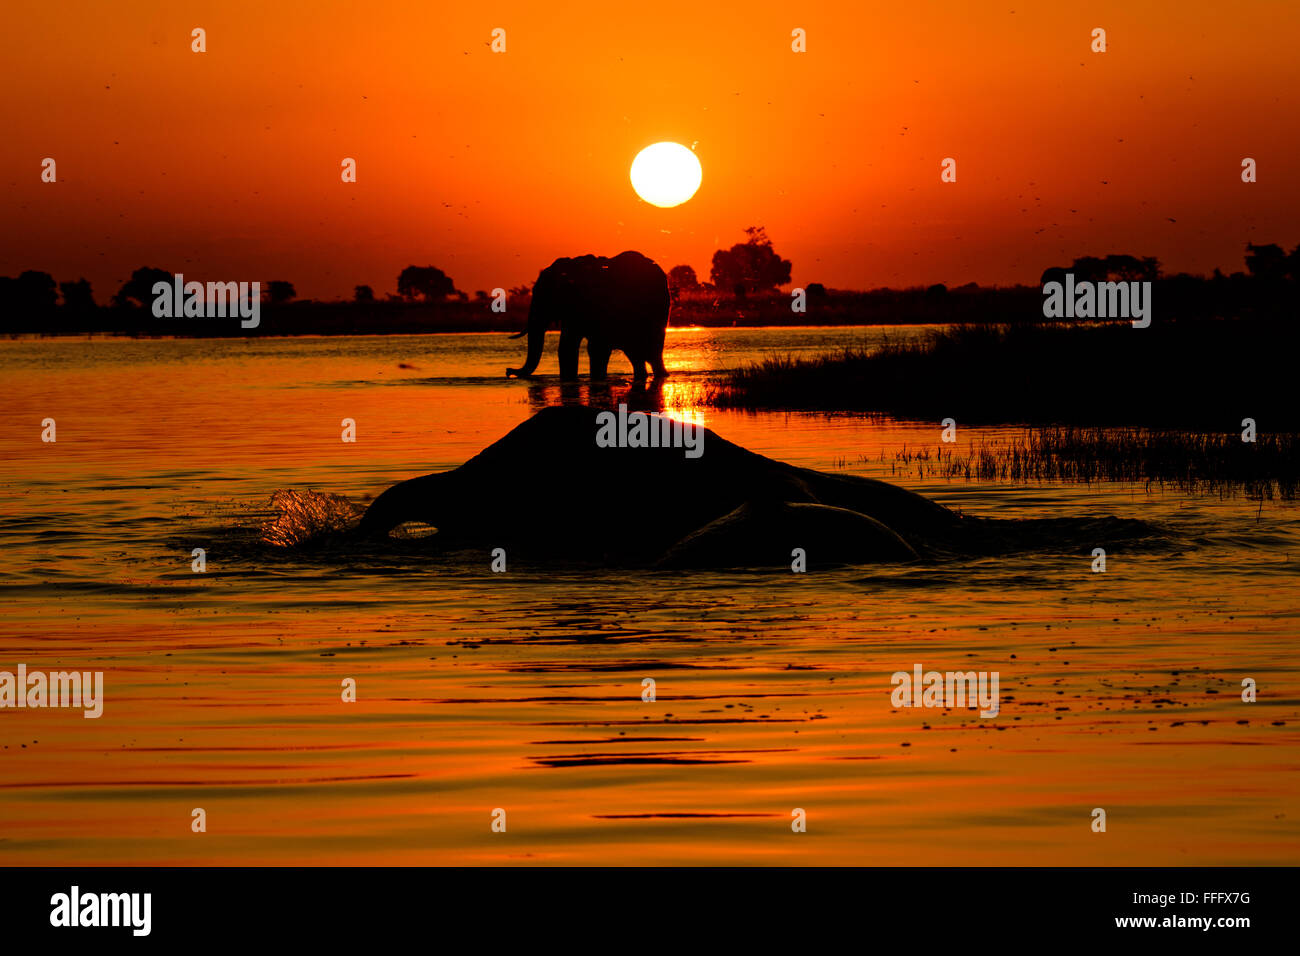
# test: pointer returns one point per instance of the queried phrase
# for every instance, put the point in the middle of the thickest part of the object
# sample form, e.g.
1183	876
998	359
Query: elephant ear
575	278
557	268
554	280
563	284
586	268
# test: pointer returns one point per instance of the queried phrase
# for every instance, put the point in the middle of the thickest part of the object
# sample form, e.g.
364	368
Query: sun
666	174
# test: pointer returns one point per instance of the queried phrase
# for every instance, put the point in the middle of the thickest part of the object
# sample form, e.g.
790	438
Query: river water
523	692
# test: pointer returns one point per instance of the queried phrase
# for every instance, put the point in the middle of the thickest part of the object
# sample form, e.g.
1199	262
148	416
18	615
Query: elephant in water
547	490
619	303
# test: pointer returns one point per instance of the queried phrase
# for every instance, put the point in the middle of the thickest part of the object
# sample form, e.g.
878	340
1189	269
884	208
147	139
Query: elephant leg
657	353
638	367
569	343
598	358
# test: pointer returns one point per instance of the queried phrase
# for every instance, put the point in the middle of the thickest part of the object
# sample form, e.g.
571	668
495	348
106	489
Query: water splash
300	517
303	518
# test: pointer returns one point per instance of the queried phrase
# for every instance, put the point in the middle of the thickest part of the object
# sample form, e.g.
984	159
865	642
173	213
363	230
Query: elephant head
619	303
556	291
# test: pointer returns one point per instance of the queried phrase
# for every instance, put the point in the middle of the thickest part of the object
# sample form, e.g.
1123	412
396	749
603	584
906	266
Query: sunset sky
226	164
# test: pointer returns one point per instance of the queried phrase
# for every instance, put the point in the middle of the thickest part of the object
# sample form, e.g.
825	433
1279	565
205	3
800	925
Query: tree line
746	268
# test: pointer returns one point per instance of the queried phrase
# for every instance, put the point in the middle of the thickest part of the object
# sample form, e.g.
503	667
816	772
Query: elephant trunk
416	499
536	340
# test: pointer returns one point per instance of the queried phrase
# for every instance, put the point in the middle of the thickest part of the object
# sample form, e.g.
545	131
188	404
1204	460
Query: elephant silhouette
613	303
625	507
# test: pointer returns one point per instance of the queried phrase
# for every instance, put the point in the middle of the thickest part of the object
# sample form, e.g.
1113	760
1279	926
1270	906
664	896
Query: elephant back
628	273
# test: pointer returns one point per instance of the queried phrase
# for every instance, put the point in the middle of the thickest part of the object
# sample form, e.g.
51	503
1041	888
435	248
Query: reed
1182	460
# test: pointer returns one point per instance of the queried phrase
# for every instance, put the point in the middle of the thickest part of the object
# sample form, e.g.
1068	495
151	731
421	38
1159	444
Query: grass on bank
1161	405
1217	464
1207	375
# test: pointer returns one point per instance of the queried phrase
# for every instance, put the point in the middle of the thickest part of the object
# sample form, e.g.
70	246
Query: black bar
666	907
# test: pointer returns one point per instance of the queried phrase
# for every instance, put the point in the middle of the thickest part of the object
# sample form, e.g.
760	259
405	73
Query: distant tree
138	290
816	292
1122	267
481	296
29	296
280	292
77	296
1112	268
426	282
1266	262
751	266
32	291
936	291
363	293
684	278
1089	269
1131	268
521	290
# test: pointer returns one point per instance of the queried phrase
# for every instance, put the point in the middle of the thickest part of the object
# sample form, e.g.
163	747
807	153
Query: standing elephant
619	303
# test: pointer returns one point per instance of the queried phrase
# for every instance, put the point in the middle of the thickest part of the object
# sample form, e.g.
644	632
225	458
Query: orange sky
225	165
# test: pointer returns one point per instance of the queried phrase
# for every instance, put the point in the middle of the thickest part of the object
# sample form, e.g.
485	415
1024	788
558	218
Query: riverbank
1209	375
